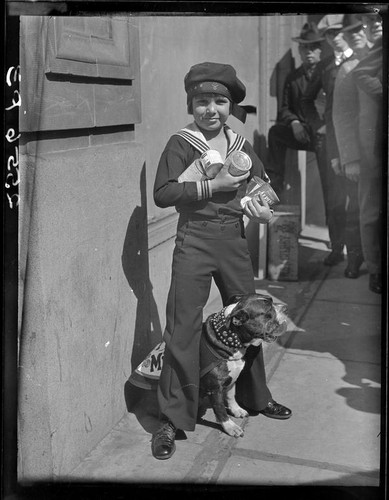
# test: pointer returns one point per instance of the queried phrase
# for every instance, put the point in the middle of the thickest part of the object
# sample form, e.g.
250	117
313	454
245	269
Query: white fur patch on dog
234	366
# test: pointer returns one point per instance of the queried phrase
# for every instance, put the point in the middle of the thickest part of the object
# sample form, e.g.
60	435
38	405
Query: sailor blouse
196	197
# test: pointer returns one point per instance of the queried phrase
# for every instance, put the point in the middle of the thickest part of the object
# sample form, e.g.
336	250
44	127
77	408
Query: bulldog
247	320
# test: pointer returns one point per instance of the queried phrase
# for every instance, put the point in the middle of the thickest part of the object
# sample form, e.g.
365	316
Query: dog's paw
237	411
232	429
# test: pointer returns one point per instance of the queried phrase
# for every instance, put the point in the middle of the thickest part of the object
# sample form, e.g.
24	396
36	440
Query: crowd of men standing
346	138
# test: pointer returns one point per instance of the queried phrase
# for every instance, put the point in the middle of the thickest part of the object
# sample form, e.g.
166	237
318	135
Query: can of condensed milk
238	163
212	162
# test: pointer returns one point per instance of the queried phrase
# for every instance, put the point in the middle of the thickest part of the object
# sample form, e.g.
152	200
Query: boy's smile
211	111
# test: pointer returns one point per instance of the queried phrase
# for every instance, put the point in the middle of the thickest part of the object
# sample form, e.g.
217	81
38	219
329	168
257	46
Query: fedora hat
352	21
331	22
309	34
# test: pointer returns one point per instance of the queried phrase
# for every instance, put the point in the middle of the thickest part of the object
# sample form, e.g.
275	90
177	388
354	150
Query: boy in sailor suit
210	244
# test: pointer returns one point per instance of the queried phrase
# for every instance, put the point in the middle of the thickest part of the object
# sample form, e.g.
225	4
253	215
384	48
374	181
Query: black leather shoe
162	442
333	258
275	410
375	283
354	262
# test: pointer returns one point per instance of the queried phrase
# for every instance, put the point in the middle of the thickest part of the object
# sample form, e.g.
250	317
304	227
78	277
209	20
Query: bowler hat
216	78
351	21
309	34
331	22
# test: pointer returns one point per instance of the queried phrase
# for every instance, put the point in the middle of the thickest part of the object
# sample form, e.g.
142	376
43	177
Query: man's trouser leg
280	138
353	232
321	159
336	209
370	205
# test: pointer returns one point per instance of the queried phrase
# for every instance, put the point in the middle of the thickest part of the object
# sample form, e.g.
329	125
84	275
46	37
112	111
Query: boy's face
210	111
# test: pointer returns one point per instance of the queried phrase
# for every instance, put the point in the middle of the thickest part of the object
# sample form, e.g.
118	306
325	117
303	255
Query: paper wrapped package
256	186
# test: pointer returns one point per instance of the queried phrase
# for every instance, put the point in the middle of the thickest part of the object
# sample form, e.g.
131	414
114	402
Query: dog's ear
239	318
234	298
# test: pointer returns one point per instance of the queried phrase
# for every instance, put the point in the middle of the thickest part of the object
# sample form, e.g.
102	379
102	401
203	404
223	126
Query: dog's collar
224	334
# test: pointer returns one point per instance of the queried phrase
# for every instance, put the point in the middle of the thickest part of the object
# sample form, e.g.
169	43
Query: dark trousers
335	199
343	215
204	250
281	138
370	199
353	230
342	224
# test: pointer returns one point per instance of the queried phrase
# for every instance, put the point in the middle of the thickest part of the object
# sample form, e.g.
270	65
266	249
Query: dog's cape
212	353
146	374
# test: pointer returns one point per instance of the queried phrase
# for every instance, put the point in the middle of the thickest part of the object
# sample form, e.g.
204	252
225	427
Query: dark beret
216	78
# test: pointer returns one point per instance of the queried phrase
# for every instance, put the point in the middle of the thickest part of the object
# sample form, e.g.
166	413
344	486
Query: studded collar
224	334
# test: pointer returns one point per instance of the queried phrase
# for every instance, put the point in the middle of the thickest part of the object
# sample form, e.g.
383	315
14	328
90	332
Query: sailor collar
192	134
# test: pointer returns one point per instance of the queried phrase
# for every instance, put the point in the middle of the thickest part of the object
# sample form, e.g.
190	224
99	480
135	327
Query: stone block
283	235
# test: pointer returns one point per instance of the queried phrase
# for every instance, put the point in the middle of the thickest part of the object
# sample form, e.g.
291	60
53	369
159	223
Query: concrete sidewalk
328	374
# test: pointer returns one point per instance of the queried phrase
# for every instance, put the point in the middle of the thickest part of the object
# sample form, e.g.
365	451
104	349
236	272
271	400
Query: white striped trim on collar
194	141
237	144
192	134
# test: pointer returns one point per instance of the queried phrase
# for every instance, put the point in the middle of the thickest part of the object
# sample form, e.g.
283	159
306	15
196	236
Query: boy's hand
224	181
258	212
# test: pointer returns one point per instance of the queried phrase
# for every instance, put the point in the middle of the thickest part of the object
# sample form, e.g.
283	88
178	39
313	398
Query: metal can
212	162
238	163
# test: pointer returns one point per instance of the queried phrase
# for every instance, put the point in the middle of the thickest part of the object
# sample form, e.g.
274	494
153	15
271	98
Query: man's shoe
375	283
275	410
333	258
354	262
162	442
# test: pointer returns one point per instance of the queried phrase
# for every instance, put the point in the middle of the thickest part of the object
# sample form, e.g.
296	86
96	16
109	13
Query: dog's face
255	318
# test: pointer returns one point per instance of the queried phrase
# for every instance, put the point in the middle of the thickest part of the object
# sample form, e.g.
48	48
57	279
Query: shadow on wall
276	87
135	264
277	79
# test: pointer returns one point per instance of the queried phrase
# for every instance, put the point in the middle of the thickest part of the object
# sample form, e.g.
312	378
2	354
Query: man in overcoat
323	79
344	119
362	128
